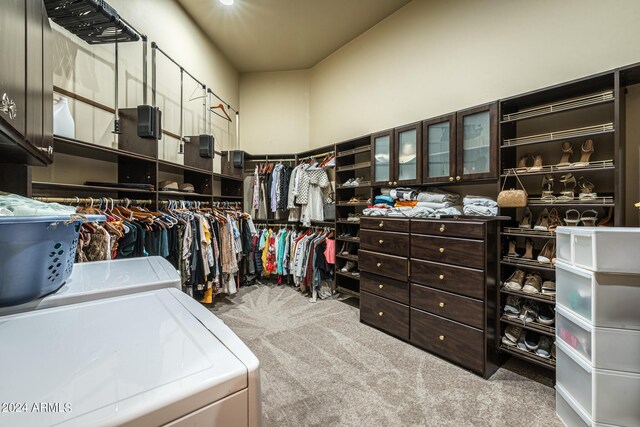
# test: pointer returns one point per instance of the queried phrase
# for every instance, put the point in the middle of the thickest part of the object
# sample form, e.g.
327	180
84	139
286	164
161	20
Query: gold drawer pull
381	286
395	182
441	305
441	250
381	224
442	228
441	277
381	241
380	313
379	265
457	178
390	183
451	178
441	337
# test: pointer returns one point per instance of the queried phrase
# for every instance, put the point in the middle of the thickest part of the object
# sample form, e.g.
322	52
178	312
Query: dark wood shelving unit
549	299
530	357
534	265
532	326
81	187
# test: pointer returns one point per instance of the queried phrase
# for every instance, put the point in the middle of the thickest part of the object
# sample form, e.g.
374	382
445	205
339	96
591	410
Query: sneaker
544	348
506	341
356	273
350	265
349	182
546	315
549	287
346	248
529	311
532	340
533	284
513	305
521	345
514	283
513	333
356	182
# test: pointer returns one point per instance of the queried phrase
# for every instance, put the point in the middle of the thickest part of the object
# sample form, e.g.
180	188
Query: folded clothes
452	210
434	205
403	194
385	191
382	198
480	201
476	210
14	205
376	211
406	203
437	196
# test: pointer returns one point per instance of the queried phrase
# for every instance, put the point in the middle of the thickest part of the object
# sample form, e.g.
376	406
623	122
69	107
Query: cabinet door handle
381	241
441	250
441	337
451	179
442	228
379	265
381	224
390	183
457	178
381	286
381	313
441	305
441	277
395	182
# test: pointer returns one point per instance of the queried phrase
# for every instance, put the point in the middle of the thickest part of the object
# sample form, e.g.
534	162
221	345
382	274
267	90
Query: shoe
537	163
587	151
554	220
522	163
586	189
506	341
544	347
607	221
542	224
532	284
568	192
525	222
521	344
547	189
514	283
574	219
346	249
548	251
567	151
529	311
354	217
350	265
528	249
589	218
512	333
546	315
549	287
345	236
355	273
532	340
356	182
348	183
512	249
513	305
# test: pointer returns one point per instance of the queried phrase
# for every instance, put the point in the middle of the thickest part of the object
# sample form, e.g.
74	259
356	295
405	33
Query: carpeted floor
322	367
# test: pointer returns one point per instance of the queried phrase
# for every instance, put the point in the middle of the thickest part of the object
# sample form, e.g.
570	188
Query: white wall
275	112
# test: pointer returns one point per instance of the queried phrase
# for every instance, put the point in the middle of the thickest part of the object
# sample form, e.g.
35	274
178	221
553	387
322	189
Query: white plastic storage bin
605	300
603	348
570	412
607	397
600	249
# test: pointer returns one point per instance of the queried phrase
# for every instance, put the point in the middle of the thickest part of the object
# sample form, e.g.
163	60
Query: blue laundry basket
37	254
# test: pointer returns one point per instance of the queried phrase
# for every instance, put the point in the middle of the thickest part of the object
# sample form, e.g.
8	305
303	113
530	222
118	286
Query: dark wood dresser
433	283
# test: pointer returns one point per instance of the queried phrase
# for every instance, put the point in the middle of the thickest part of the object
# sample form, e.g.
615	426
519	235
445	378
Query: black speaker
238	159
149	122
206	146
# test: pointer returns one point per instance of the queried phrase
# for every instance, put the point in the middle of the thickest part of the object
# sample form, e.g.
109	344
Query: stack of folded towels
442	202
480	206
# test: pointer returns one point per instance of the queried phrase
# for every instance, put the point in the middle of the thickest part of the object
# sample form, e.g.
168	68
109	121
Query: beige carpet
322	367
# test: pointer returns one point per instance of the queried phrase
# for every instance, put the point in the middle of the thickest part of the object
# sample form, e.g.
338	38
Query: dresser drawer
455	307
459	280
465	252
470	230
385	224
385	314
385	287
385	265
454	341
385	242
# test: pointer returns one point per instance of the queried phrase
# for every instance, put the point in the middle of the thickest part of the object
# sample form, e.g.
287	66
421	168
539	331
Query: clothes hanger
221	107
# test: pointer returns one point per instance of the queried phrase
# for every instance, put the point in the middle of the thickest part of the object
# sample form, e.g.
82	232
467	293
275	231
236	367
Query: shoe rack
353	160
565	145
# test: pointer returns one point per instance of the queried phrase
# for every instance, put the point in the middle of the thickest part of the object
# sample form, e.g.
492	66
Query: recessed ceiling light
226	2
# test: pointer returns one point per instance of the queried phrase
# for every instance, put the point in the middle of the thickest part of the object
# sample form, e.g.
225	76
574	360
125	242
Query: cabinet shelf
349	257
363	184
223	197
605	201
362	165
559	106
342	204
549	299
563	135
81	187
75	147
533	265
530	357
348	291
351	276
166	166
532	326
597	166
354	151
183	194
348	239
519	232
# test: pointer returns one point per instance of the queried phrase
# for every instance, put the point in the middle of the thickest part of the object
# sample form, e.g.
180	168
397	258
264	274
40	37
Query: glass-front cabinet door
439	142
408	154
382	159
477	135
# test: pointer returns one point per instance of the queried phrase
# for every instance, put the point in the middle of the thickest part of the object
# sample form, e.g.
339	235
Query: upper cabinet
397	156
439	144
477	143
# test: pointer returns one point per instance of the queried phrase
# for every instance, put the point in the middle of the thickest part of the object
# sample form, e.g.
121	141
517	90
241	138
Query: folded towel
382	198
385	191
403	194
376	211
452	210
437	196
406	203
476	210
480	201
434	205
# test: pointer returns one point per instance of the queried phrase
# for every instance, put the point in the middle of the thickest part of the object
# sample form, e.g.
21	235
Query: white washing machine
146	358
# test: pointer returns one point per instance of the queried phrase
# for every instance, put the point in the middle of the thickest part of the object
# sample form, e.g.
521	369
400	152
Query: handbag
513	198
329	208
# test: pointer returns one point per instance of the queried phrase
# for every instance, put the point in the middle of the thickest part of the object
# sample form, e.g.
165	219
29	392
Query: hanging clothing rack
314	156
92	200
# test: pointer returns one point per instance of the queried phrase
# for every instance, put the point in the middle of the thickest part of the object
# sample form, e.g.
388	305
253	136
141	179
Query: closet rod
223	101
326	153
154	45
292	159
89	200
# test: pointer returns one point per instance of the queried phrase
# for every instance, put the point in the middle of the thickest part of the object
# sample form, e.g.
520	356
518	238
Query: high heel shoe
512	249
547	189
574	219
607	221
522	164
589	221
586	189
568	192
554	220
528	249
542	224
537	163
567	151
548	251
587	151
525	222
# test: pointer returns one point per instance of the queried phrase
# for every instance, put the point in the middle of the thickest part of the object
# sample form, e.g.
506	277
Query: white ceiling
278	35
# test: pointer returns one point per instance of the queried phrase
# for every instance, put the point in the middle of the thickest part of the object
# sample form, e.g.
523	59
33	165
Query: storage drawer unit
385	224
461	280
391	266
395	290
385	314
385	242
456	251
446	304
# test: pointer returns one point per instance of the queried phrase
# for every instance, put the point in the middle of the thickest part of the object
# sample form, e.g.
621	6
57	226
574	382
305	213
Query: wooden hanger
221	107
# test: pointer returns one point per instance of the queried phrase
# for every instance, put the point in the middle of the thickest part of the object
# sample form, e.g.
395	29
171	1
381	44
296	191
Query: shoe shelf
351	275
523	232
346	221
562	135
183	194
349	257
559	106
347	291
81	187
363	184
532	326
525	263
348	239
549	299
353	151
362	165
604	201
598	166
352	204
529	356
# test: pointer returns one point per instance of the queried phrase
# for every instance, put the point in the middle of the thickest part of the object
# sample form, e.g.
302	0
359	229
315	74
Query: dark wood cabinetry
26	87
397	156
439	149
477	143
